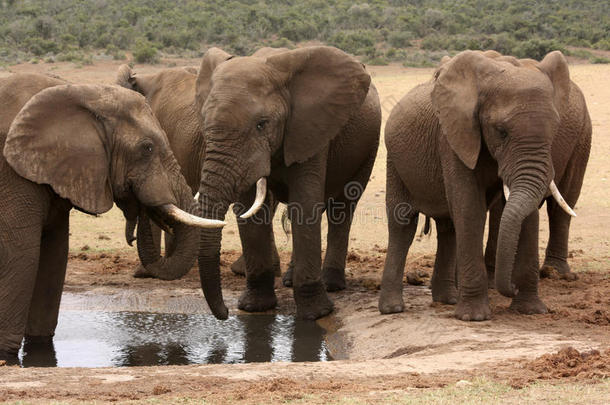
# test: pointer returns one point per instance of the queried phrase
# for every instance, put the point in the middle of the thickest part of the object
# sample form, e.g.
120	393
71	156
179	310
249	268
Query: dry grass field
414	357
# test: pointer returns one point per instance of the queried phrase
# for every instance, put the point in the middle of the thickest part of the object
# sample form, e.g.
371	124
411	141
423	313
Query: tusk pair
556	195
261	193
188	219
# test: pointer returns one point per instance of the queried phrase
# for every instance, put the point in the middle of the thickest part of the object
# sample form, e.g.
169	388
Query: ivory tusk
506	191
558	197
196	196
189	219
261	193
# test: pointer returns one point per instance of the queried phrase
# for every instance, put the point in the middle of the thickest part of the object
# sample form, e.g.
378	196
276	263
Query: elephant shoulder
16	90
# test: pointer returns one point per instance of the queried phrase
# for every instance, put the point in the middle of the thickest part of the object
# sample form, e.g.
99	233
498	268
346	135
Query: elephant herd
488	133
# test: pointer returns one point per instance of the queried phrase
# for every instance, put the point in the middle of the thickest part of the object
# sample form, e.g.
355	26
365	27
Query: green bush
400	39
537	48
599	59
145	53
38	27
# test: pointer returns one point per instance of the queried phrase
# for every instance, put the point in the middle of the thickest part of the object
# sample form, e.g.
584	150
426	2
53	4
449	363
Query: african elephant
306	123
65	146
171	95
484	121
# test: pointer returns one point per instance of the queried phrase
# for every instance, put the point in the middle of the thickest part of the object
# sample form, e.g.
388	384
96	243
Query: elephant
72	146
485	123
303	124
171	95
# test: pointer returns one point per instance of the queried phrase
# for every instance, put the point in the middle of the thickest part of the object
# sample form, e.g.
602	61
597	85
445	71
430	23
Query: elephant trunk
180	255
215	198
130	227
526	192
209	261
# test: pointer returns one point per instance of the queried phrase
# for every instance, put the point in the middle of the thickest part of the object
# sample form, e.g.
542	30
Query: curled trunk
130	227
180	252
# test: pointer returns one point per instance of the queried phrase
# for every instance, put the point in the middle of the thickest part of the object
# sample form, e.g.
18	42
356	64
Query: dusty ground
418	355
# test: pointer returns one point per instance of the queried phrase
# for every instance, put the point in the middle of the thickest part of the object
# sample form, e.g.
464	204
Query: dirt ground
423	354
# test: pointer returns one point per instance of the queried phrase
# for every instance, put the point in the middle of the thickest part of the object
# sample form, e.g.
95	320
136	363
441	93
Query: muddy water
102	338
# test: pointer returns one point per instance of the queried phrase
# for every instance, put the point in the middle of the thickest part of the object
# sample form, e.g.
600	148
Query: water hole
123	339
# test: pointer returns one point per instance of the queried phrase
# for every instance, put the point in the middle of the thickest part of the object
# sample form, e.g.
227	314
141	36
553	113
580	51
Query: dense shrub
521	27
145	53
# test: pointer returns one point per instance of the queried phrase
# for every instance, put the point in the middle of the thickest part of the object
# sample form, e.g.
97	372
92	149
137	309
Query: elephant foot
528	305
239	266
444	292
10	358
312	301
552	265
141	272
259	295
473	308
391	302
287	278
334	279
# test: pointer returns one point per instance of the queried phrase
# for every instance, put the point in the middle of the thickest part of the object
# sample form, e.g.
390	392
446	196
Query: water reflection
98	339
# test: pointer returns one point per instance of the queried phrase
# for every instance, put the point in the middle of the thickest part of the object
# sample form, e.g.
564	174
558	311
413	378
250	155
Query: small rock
86	247
161	389
414	279
2	363
463	383
103	237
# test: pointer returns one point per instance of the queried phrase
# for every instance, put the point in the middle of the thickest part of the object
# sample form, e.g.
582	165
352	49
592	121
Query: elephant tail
125	77
426	230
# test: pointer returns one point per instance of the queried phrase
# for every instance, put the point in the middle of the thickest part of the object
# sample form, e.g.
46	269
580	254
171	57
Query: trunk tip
509	291
221	313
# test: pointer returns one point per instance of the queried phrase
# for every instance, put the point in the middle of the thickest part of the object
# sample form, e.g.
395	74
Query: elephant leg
495	215
287	277
340	213
443	277
19	257
44	307
307	204
402	225
559	221
256	234
526	269
468	207
239	266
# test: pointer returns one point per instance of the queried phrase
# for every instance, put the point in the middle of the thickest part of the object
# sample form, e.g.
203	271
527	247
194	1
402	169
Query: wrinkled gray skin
484	120
308	120
171	95
81	146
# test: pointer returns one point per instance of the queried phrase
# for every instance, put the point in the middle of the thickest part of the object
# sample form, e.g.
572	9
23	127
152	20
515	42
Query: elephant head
95	145
513	109
179	120
262	113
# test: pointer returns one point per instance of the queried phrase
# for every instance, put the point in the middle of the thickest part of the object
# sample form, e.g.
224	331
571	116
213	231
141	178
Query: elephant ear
143	84
555	66
455	99
211	59
60	138
326	86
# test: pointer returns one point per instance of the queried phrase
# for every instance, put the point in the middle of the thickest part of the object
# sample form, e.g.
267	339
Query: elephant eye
261	125
503	133
147	148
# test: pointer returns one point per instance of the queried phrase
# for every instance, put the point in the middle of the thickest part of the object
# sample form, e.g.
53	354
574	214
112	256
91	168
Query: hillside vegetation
414	32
